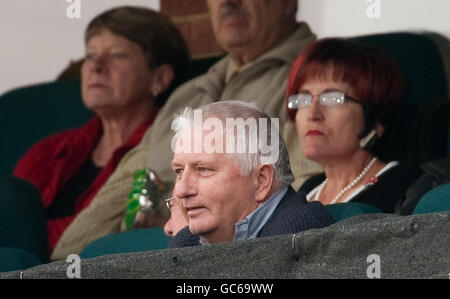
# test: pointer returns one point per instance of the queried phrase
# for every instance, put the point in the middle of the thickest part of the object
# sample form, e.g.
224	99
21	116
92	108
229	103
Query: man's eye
90	56
178	171
204	170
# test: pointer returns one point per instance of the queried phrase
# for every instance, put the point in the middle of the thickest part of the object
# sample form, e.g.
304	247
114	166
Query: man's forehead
198	158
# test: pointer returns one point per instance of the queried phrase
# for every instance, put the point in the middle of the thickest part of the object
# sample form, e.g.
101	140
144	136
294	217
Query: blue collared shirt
255	221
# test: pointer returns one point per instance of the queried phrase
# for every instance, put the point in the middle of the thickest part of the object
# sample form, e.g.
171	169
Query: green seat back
435	200
32	113
342	211
130	241
13	259
22	217
200	66
419	59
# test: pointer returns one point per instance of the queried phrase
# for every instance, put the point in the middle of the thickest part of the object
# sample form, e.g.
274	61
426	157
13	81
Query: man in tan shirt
262	39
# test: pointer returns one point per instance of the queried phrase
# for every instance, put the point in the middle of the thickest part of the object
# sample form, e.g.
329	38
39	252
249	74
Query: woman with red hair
342	96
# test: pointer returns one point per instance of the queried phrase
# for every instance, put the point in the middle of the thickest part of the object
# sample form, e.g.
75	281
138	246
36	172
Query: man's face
178	219
239	23
213	193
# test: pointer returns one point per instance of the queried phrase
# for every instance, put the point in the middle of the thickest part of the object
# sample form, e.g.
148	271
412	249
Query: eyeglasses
329	98
168	202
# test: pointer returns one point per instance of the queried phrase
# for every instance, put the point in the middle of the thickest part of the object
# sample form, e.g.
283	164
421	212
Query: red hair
374	76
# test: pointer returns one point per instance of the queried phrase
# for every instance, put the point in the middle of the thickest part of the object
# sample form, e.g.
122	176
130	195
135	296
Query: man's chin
232	38
198	228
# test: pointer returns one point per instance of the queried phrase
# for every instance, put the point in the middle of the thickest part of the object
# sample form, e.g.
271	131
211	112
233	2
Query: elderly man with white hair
233	175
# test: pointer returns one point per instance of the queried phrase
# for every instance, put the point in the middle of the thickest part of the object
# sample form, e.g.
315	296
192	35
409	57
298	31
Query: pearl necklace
349	186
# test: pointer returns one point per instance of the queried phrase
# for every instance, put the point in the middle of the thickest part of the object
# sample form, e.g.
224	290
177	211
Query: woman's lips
314	133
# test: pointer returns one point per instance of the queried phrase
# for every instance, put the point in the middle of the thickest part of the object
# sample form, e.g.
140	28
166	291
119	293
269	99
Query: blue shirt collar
255	221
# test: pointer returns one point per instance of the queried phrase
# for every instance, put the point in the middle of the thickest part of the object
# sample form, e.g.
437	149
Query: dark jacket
292	215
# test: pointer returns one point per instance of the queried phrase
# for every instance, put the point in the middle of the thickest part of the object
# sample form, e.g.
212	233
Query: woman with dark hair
342	97
133	57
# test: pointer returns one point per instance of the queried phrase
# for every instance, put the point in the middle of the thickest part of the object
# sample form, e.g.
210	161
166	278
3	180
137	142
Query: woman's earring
364	141
155	92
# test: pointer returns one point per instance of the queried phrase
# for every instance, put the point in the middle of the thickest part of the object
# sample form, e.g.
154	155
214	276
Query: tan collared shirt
233	68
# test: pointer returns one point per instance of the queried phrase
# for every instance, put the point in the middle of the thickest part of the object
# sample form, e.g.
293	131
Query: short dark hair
159	38
373	74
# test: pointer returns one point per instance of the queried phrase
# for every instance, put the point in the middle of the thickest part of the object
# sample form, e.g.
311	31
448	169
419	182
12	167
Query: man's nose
226	5
185	185
168	228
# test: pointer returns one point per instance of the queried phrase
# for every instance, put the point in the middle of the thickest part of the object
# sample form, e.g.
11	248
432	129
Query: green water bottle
146	194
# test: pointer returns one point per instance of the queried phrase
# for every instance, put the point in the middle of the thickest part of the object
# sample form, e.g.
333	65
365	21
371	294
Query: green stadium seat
130	241
23	223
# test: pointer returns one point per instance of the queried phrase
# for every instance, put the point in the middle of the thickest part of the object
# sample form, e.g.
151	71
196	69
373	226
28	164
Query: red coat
52	162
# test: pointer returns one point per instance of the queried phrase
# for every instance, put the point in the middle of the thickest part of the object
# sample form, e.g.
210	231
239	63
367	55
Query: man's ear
161	79
264	179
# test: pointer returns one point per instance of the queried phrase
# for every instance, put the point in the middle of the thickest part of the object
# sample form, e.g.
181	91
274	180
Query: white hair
246	115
